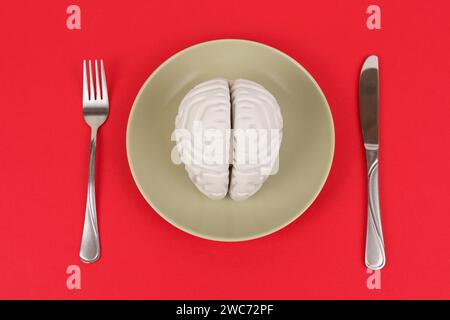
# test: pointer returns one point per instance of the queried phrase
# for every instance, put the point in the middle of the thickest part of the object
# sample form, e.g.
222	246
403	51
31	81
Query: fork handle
375	256
90	244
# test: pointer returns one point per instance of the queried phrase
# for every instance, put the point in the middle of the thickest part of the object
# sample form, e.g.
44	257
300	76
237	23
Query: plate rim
216	238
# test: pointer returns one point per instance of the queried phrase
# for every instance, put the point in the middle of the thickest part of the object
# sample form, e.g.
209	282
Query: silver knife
368	111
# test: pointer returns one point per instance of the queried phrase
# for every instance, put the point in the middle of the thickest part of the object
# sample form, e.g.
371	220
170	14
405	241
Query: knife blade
368	109
369	100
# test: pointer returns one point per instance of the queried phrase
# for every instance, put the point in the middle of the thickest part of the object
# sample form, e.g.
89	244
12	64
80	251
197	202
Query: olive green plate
306	151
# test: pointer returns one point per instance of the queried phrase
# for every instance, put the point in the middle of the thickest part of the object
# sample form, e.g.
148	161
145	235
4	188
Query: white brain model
229	126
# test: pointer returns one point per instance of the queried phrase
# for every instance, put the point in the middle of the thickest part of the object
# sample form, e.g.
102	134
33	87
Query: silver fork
95	112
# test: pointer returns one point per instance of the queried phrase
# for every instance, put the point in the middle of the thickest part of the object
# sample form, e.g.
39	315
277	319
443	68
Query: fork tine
97	83
91	83
104	86
85	83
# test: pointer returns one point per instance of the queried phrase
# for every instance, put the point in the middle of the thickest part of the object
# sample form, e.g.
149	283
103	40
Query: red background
44	152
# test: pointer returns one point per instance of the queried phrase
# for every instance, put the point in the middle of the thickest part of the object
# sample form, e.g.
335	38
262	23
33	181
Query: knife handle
375	256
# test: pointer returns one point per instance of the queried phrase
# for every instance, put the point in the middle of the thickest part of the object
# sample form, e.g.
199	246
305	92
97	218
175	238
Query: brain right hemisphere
257	124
